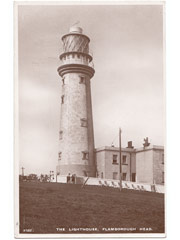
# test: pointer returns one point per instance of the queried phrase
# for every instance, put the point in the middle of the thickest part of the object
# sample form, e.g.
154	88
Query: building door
133	177
124	176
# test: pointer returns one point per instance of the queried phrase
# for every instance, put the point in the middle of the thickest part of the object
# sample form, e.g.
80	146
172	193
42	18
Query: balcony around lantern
76	58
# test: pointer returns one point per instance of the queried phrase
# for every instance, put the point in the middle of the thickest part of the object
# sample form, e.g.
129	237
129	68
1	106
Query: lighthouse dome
75	29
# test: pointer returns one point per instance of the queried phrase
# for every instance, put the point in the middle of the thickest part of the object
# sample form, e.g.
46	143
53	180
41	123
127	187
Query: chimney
130	145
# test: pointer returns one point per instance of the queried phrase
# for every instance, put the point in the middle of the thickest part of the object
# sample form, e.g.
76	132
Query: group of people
71	179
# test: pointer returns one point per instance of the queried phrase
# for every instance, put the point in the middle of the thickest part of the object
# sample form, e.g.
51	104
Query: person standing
73	179
69	178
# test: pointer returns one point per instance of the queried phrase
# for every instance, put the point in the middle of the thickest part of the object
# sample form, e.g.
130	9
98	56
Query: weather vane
146	142
76	23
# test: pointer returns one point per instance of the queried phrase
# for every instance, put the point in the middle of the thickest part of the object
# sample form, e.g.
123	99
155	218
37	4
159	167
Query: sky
127	88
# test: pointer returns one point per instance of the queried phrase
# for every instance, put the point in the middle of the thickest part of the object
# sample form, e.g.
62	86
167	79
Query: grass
47	206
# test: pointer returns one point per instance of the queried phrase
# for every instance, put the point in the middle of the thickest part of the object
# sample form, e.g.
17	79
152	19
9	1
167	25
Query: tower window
83	122
163	158
60	135
114	159
82	79
73	55
124	159
62	99
78	56
85	155
162	177
59	155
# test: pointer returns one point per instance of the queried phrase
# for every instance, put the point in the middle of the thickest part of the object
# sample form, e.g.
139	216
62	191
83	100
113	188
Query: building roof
116	149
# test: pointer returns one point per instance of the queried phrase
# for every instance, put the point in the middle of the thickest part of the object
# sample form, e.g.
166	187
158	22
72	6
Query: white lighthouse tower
76	138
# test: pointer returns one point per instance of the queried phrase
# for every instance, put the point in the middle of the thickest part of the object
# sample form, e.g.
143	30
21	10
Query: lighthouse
76	137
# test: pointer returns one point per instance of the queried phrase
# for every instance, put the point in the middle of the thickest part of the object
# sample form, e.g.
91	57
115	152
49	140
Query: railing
76	61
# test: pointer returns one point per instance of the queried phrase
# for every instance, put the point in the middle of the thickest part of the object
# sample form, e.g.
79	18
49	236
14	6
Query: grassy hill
44	207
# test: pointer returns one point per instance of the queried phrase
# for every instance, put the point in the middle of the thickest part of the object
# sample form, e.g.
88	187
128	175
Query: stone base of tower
79	170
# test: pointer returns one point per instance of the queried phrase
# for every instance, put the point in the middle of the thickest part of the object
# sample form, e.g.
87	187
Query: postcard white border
16	124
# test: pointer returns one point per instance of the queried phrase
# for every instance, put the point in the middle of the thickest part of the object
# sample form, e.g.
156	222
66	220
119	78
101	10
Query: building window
101	174
85	155
83	122
73	55
124	176
78	55
163	158
59	156
62	99
82	79
63	80
114	159
115	175
124	159
162	177
60	135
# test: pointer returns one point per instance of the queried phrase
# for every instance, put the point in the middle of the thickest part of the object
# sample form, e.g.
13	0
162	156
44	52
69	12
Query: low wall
114	183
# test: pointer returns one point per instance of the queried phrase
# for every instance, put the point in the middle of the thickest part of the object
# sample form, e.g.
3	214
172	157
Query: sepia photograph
90	139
